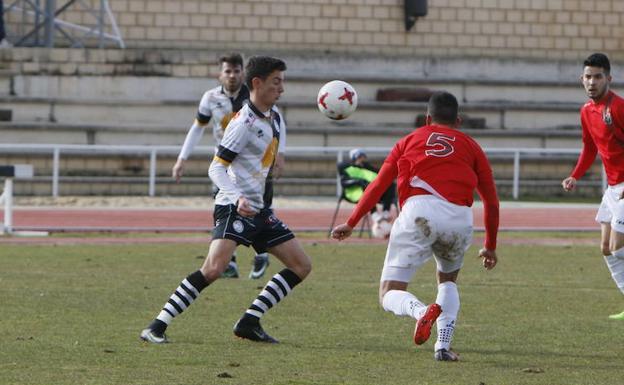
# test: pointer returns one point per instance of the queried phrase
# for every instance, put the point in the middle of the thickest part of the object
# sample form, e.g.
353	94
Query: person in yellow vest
356	174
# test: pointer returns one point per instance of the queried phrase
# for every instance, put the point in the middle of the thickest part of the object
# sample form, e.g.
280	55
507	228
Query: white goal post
17	171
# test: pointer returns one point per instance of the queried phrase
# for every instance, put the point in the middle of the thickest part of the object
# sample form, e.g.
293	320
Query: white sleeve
282	142
204	112
235	138
219	176
192	138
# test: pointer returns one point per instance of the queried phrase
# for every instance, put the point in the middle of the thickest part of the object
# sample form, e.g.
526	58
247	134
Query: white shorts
611	208
427	226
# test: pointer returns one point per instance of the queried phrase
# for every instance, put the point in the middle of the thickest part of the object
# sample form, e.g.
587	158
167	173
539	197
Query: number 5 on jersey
440	145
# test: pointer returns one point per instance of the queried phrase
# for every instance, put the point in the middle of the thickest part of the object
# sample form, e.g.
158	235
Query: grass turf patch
72	315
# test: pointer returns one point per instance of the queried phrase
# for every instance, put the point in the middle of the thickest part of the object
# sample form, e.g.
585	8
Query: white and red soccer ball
381	224
337	100
381	228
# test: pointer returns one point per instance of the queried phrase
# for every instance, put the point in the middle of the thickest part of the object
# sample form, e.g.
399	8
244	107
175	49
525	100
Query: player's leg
611	218
452	240
394	297
448	299
400	265
616	263
231	229
393	294
260	262
615	260
280	242
449	259
190	288
231	270
409	247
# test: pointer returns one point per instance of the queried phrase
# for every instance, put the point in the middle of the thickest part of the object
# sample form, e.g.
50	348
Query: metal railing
42	16
56	150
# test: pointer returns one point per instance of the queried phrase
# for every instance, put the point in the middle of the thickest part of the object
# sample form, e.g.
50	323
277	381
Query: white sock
448	299
615	262
403	303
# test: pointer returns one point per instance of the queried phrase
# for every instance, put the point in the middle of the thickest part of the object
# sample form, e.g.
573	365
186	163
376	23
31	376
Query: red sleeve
487	191
376	188
588	153
617	112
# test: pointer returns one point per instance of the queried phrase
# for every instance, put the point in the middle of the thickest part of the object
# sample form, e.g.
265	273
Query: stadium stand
516	80
126	110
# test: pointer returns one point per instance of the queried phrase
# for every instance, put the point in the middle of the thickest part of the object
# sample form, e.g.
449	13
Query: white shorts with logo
611	208
427	226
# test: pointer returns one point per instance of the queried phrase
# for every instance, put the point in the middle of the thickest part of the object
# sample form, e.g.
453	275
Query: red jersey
441	161
603	132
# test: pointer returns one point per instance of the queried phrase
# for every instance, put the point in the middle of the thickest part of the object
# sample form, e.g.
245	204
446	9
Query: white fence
56	150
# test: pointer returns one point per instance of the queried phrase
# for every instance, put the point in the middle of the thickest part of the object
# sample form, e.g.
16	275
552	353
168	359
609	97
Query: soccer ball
337	100
381	228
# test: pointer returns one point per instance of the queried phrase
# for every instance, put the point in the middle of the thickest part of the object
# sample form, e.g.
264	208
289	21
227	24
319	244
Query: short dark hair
261	67
599	60
443	108
231	58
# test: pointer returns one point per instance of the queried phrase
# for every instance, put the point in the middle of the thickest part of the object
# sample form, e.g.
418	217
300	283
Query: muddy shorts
427	227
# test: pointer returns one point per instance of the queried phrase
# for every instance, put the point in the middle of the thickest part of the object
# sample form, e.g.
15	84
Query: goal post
10	172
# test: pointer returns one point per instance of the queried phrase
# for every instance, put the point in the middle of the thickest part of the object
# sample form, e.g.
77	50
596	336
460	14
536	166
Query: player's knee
212	271
303	268
385	288
211	275
307	269
447	277
606	250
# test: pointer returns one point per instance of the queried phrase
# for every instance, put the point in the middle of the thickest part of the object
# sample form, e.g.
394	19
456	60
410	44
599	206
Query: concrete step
180	113
334	134
501	115
300	86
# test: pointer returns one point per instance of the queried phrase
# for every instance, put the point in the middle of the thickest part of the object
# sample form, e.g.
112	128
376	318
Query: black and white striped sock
183	297
275	290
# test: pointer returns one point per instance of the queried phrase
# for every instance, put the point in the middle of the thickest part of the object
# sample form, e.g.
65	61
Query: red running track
172	220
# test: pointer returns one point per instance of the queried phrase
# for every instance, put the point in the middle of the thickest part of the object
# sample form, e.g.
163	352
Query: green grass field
72	315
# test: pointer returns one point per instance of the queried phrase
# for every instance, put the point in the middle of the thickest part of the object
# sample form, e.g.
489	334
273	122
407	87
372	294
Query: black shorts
262	231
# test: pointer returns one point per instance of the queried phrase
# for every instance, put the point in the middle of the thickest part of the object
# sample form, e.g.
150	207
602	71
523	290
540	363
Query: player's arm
278	167
193	137
219	176
235	139
371	196
280	158
585	160
617	113
487	191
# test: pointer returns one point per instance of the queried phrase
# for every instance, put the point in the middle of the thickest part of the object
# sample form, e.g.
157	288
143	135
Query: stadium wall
553	29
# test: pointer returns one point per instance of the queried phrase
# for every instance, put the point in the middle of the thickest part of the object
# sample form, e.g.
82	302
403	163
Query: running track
186	220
